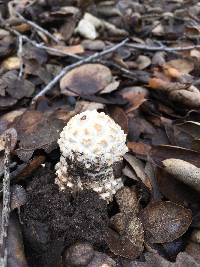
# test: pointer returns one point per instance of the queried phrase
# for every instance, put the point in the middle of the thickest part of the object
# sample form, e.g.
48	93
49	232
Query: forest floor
137	61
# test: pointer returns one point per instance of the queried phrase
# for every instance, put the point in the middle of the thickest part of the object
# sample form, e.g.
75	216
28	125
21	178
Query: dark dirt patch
54	219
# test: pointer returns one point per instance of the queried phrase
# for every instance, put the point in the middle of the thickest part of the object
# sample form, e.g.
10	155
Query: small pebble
101	260
77	255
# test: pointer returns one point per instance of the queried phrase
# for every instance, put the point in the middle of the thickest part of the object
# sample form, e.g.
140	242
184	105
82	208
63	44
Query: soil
54	219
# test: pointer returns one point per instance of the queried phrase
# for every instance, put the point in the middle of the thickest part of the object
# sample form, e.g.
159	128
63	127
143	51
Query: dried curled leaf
165	221
183	171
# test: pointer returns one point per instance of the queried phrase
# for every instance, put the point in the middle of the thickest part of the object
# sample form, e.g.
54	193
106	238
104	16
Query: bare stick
34	43
6	202
19	53
93	57
37	27
161	48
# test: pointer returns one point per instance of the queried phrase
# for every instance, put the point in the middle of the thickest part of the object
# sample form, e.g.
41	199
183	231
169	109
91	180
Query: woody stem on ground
6	203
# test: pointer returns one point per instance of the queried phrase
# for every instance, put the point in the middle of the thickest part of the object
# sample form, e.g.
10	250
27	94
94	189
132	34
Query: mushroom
90	144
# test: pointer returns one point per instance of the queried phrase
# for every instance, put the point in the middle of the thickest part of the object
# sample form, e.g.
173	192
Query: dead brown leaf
135	95
165	221
140	149
162	152
175	190
36	131
183	66
74	49
138	166
87	79
182	93
183	171
122	245
15	87
119	116
6	46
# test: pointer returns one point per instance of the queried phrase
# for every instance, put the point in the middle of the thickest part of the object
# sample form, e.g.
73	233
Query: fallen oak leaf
87	79
182	66
179	92
158	83
183	171
189	97
174	189
164	221
160	153
122	245
139	148
138	166
36	131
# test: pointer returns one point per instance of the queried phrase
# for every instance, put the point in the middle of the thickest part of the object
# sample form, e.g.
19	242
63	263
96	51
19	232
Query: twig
161	48
37	27
93	57
19	53
6	202
34	43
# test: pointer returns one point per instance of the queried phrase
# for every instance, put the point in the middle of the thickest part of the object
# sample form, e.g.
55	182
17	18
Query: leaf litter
59	58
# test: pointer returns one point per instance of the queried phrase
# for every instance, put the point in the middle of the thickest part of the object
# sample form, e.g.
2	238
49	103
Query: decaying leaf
165	221
138	167
130	243
125	237
175	190
15	87
86	80
135	95
18	196
139	148
183	66
183	171
189	134
36	131
188	96
127	200
153	259
160	153
119	116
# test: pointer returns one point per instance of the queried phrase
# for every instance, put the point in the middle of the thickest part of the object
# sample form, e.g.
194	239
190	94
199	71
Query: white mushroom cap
95	136
90	144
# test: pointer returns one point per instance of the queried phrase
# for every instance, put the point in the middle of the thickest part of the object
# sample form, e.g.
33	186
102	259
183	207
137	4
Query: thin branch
161	48
93	57
34	43
6	202
19	53
37	27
